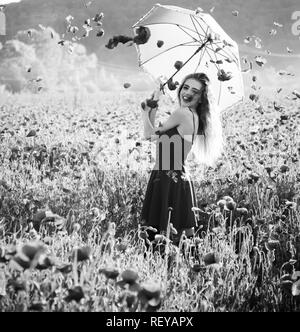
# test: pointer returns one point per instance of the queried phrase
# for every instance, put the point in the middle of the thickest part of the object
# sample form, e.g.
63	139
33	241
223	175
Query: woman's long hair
208	144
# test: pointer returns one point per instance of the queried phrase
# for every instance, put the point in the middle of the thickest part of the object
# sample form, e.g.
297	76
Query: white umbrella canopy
195	42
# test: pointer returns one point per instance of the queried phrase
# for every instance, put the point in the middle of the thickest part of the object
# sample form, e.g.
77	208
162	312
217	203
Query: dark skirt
169	189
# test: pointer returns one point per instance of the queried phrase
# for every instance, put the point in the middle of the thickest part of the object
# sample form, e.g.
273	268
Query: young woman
194	125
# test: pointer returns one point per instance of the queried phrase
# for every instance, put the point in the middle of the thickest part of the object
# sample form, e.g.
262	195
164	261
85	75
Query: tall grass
87	169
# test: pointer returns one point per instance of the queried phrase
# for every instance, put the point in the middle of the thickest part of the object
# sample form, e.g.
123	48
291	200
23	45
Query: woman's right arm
148	115
149	122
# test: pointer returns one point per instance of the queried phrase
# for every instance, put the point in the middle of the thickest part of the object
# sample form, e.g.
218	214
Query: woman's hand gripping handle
149	107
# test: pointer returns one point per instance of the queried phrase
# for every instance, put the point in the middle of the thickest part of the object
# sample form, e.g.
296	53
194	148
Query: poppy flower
64	268
16	285
231	205
44	262
4	185
150	289
198	10
98	17
160	43
197	268
211	258
172	85
149	295
143	35
296	93
242	211
122	247
29	254
247	40
221	203
113	42
223	76
255	177
129	276
32	133
260	61
75	294
254	97
100	33
178	65
152	103
258	43
284	169
110	272
291	205
82	253
272	244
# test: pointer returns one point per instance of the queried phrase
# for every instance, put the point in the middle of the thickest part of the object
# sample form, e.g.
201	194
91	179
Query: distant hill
255	17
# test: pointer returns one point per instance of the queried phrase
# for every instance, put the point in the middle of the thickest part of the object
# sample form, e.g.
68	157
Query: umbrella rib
214	42
191	17
181	28
201	25
178	25
194	19
230	55
225	56
218	68
169	49
201	57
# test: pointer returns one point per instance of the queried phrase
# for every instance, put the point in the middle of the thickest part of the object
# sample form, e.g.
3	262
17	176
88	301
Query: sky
254	18
4	2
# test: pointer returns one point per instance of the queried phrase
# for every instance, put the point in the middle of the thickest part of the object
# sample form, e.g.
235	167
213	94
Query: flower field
73	174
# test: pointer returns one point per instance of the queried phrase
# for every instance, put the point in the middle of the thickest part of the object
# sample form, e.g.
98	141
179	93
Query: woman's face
190	94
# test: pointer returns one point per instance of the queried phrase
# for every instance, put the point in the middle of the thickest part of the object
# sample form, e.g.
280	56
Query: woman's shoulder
183	110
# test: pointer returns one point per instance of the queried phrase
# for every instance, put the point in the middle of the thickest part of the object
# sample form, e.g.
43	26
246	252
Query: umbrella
181	41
